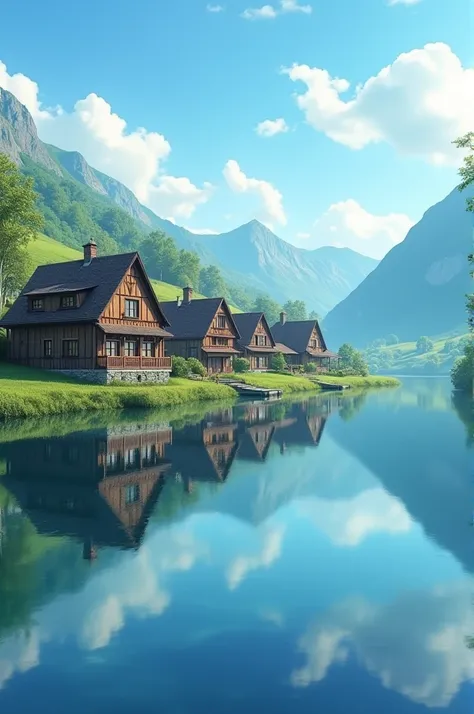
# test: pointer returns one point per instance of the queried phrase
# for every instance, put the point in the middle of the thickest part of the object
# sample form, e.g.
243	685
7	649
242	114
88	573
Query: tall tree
266	304
211	282
295	310
19	222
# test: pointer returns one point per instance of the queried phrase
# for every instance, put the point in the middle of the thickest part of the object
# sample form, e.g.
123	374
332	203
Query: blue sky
198	83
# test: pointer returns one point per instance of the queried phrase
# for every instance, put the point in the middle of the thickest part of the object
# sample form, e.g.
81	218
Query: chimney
282	318
90	251
187	295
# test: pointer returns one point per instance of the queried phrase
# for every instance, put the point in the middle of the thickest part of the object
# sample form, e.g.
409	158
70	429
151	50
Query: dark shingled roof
191	321
105	273
247	323
297	334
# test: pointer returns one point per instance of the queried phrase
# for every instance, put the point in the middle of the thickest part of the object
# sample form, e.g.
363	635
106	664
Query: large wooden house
302	342
96	318
204	329
256	341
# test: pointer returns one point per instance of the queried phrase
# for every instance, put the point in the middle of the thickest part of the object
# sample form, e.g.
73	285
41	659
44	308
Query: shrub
462	373
279	362
196	367
240	364
310	367
179	367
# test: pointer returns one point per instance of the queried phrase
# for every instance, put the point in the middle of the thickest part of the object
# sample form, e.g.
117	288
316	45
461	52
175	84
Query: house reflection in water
303	425
204	451
97	486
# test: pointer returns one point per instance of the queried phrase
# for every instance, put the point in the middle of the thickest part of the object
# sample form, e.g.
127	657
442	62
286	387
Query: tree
313	315
346	353
353	359
279	362
19	222
266	304
295	310
424	345
463	370
160	256
211	282
188	269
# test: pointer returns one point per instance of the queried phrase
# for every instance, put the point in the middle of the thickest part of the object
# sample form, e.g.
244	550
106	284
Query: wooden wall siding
315	336
182	348
132	286
216	331
114	490
261	361
27	346
101	338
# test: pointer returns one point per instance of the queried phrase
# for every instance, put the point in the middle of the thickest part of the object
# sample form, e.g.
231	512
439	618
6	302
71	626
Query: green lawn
372	380
272	380
44	250
411	359
26	392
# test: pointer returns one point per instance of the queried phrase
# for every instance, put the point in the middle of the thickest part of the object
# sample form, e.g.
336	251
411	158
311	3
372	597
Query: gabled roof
296	335
100	278
247	323
192	320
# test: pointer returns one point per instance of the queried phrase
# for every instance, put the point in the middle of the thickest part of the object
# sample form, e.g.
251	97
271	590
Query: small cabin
97	318
256	341
204	329
302	342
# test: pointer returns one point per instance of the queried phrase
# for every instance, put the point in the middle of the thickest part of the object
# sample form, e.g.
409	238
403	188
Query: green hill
45	250
404	358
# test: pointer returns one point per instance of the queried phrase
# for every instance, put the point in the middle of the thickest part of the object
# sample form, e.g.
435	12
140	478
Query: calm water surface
302	557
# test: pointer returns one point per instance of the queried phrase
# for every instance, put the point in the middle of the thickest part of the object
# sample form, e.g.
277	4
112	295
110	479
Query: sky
331	121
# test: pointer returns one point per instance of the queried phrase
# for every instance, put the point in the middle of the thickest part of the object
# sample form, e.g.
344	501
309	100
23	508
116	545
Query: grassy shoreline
26	392
372	380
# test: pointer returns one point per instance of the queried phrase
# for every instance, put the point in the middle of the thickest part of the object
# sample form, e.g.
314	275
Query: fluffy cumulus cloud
270	209
134	157
415	646
214	8
271	127
268	552
347	224
270	12
347	523
418	104
99	611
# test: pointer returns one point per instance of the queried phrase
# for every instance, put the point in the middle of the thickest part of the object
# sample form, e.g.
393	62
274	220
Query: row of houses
99	319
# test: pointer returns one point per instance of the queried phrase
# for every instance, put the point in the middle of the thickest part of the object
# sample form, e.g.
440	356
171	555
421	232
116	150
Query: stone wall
132	376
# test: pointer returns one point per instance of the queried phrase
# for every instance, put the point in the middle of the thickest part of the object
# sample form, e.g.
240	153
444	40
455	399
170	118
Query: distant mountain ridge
250	256
419	288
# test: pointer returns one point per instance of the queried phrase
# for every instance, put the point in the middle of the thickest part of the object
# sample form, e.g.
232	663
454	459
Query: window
221	322
314	344
193	352
132	494
130	348
261	340
68	301
131	308
132	458
222	341
112	348
37	304
70	348
147	348
112	459
48	348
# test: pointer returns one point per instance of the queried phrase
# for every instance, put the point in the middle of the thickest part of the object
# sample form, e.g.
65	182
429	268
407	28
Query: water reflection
308	554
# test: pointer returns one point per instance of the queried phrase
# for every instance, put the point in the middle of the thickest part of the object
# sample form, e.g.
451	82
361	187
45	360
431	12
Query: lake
303	556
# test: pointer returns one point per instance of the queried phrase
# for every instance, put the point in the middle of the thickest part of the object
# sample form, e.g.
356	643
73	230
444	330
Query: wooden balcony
134	363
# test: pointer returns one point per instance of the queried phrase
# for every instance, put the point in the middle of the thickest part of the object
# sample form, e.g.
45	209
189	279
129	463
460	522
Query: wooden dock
249	390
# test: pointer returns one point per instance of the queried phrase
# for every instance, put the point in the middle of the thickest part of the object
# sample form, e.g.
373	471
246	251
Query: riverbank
298	383
372	380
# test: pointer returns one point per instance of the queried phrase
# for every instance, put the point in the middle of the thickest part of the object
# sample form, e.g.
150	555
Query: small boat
331	387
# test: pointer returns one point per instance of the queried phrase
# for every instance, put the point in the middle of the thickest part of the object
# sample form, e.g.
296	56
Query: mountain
78	199
419	287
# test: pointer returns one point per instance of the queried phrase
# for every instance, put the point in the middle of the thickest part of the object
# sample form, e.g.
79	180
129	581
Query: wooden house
302	342
204	329
96	318
256	341
95	486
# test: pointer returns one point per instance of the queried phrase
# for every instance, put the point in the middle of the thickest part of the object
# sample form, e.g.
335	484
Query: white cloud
270	12
303	236
214	8
271	127
202	231
403	2
424	656
135	158
347	224
268	553
419	104
271	200
348	523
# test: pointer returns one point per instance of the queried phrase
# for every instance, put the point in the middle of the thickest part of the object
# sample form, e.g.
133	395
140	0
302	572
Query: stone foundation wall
103	376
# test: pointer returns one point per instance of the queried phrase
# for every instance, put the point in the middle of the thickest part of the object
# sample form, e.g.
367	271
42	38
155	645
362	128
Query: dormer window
68	301
37	304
